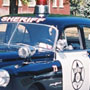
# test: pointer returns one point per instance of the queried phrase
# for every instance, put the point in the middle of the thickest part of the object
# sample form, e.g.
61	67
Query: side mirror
61	44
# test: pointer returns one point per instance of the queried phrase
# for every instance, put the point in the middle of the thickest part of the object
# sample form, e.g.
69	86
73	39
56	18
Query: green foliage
25	2
80	8
87	9
75	6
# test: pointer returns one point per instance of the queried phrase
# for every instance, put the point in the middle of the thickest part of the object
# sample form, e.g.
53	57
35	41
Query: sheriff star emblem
77	74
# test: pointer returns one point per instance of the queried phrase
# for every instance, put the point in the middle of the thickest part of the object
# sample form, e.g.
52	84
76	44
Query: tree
13	9
75	6
25	2
87	9
80	7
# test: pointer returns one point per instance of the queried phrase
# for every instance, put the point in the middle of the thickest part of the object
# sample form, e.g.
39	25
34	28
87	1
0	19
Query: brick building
55	7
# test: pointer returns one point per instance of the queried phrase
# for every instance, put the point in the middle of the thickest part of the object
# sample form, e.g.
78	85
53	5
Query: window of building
61	4
54	3
19	3
32	3
6	2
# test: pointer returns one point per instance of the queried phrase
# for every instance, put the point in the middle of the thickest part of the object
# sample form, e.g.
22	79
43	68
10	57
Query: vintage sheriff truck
44	53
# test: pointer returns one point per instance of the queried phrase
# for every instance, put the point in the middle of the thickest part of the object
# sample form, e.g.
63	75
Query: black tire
33	87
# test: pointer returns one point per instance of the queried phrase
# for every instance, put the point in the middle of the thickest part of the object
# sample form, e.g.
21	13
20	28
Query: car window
38	35
70	39
2	32
73	37
87	36
21	35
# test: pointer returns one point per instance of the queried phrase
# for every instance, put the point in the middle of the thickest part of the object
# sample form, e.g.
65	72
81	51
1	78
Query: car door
74	60
86	31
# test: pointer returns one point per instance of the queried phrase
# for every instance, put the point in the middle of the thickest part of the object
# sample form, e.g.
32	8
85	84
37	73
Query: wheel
33	87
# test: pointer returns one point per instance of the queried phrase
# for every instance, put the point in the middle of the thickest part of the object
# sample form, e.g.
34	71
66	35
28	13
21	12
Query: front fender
23	76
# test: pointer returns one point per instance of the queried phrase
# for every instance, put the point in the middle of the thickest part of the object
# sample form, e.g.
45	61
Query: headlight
26	51
4	78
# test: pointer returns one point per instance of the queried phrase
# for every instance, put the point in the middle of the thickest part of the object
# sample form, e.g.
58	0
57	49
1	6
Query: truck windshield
31	34
6	30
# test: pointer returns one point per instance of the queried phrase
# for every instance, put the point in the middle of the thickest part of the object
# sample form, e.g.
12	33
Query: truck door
75	61
86	30
75	68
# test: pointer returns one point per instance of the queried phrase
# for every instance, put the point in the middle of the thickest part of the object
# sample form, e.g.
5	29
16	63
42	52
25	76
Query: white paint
22	19
54	3
67	59
61	4
49	5
89	37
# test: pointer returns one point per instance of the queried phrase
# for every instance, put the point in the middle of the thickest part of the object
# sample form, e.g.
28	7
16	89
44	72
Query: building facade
55	7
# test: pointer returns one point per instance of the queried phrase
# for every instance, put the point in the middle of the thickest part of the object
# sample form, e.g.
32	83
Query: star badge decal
78	74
